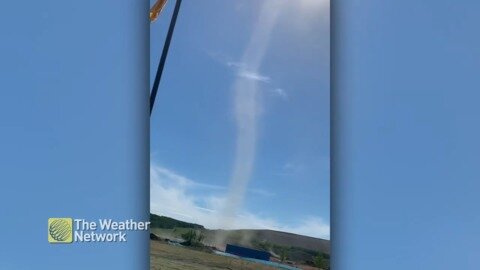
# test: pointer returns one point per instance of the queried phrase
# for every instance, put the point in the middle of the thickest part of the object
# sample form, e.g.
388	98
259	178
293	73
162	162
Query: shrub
193	238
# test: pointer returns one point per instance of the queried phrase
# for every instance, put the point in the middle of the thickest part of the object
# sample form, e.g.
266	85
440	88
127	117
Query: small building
247	252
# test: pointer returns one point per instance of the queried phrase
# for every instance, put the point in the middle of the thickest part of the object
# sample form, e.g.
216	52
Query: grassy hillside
254	237
294	247
168	257
170	223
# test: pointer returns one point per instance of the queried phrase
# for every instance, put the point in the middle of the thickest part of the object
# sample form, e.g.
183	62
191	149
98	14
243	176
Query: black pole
161	64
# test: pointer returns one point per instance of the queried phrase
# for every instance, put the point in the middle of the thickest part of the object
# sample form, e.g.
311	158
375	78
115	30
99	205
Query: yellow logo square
60	230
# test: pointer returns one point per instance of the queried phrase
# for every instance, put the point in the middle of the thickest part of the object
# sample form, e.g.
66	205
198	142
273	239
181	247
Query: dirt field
167	257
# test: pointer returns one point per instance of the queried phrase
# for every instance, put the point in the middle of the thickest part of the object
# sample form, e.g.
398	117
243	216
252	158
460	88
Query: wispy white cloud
180	180
311	226
291	168
170	195
280	93
175	179
254	76
243	70
261	192
235	64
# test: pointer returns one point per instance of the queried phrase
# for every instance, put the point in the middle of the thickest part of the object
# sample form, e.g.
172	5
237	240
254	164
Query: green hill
163	222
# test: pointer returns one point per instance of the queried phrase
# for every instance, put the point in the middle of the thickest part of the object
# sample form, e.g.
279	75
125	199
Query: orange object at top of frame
157	9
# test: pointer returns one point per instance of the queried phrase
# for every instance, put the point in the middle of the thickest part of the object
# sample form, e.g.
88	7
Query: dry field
167	257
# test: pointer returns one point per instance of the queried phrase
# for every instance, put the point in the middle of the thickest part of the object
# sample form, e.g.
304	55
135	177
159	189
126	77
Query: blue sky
406	135
73	128
244	105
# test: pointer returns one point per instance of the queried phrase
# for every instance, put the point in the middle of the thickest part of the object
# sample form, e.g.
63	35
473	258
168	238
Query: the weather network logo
60	230
78	230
